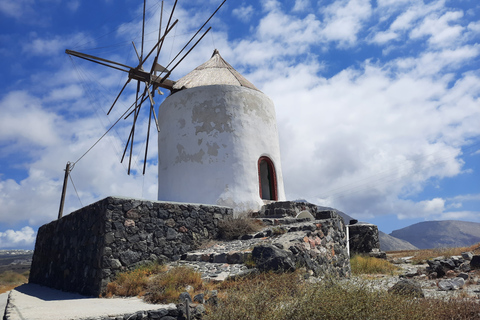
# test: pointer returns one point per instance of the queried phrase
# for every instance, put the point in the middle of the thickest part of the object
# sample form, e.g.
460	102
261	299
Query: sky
377	102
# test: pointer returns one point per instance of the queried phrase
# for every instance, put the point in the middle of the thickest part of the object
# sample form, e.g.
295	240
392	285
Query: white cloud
439	30
73	5
383	37
301	5
16	8
363	139
24	123
24	238
344	20
53	45
243	13
434	206
460	215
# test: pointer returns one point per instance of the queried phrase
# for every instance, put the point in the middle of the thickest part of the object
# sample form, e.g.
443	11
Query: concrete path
34	302
3	302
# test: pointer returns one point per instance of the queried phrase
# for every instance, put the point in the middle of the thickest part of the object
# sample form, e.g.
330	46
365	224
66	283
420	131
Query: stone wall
282	209
82	251
364	238
319	245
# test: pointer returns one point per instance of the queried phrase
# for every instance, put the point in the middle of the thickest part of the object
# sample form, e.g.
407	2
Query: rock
436	266
236	257
463	275
467	255
200	298
445	285
213	301
199	311
220	258
270	258
185	296
407	288
451	284
458	282
465	267
378	254
448	263
475	262
450	274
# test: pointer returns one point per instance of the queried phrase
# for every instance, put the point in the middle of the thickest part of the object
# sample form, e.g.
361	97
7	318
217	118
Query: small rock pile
189	308
448	274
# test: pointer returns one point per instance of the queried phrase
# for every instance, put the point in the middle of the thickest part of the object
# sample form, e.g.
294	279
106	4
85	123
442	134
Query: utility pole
64	190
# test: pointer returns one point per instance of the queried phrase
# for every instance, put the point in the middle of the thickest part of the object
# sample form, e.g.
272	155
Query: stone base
363	238
84	250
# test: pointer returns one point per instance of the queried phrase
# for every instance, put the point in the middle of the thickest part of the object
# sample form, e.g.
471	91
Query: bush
155	282
286	296
369	265
133	283
230	229
166	287
11	279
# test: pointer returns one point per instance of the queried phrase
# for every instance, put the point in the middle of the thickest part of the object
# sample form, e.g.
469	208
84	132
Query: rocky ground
444	287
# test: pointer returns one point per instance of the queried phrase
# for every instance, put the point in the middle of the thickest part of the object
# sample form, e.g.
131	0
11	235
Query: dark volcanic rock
268	257
363	238
407	288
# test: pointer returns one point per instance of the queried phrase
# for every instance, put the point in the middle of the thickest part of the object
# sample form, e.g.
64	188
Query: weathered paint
209	144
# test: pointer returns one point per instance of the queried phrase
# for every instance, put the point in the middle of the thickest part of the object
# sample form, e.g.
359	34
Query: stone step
238	251
232	257
216	271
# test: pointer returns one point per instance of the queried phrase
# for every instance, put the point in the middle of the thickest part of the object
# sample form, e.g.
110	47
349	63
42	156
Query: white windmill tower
218	141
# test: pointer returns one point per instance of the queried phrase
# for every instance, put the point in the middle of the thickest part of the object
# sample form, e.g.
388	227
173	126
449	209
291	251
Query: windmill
148	82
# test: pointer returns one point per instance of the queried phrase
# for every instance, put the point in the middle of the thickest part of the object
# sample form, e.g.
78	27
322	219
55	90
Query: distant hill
15	260
389	243
438	234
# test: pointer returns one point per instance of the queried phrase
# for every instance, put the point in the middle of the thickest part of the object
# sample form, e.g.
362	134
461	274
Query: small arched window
267	179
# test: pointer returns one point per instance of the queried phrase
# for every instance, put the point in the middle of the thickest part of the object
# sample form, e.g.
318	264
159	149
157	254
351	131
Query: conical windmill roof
215	71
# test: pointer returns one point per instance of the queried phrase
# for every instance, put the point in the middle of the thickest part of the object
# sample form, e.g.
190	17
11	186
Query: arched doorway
267	179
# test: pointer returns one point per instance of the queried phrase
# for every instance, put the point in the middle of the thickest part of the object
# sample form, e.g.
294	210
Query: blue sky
377	102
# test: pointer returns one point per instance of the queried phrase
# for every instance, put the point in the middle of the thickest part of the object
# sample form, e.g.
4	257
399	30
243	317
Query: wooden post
64	190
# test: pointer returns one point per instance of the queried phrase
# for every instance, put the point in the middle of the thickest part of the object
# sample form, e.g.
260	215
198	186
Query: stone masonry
84	250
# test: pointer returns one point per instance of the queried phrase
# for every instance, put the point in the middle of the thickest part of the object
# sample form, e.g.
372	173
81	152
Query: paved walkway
3	302
34	302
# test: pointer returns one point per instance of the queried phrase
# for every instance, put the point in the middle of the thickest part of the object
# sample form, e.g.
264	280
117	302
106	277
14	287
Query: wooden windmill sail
147	81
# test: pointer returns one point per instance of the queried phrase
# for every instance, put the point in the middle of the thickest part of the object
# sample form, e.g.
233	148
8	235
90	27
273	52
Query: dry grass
10	280
155	283
286	296
369	265
420	256
230	229
133	283
167	286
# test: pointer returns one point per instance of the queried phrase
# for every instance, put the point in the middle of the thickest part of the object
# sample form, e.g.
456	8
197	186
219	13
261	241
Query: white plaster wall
210	141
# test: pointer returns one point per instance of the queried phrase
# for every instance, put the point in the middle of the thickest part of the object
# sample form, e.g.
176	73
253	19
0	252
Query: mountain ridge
440	233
